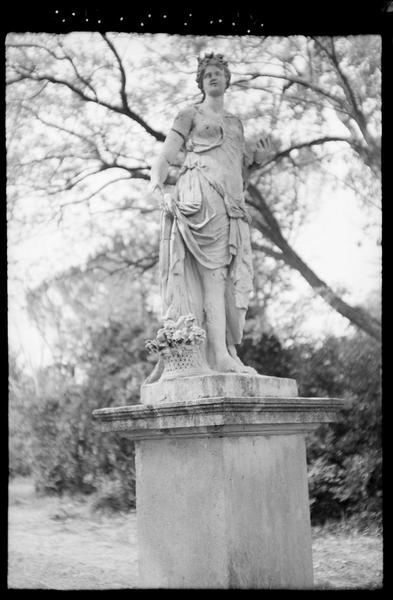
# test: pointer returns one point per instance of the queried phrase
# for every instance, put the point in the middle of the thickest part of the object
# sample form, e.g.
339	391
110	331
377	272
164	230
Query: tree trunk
270	228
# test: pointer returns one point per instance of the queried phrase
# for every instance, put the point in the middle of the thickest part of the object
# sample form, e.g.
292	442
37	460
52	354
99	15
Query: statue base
221	482
217	385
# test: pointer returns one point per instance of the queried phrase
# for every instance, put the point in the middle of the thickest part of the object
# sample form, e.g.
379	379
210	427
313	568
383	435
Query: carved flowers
183	332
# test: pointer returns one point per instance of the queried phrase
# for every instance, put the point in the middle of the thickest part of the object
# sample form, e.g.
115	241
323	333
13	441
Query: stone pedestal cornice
220	417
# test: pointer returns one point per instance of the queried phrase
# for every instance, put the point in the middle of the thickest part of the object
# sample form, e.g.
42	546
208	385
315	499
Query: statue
205	252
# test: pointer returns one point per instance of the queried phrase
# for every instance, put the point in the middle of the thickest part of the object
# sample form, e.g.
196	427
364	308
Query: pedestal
221	483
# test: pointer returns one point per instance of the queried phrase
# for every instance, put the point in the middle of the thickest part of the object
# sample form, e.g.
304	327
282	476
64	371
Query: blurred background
86	115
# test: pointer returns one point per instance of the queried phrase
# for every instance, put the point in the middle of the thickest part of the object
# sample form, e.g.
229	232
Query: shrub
115	494
71	454
21	392
345	463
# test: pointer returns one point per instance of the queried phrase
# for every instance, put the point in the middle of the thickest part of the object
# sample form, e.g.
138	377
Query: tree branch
273	228
84	138
302	82
317	142
355	314
92	194
158	135
57	57
268	251
348	91
123	80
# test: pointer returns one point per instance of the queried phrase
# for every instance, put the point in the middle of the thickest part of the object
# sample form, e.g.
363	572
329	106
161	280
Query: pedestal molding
220	417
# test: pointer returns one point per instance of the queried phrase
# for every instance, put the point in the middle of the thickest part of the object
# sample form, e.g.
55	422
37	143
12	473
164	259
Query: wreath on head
211	58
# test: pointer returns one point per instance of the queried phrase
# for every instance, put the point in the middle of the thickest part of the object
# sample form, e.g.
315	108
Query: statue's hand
154	192
157	191
167	204
263	149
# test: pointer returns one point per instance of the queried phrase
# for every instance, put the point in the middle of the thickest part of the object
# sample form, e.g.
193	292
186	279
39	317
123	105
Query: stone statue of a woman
205	254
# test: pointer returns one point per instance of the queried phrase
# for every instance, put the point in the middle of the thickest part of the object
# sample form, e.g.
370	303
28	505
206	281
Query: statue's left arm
254	154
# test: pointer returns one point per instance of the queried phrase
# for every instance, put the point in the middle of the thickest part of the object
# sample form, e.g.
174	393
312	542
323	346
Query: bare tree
55	82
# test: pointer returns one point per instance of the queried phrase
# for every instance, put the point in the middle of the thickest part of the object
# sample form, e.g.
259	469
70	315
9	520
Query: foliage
52	430
266	355
116	493
70	455
70	452
21	391
61	437
345	458
345	463
99	325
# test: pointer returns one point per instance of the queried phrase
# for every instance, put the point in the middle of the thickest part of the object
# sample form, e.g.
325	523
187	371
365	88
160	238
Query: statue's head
212	59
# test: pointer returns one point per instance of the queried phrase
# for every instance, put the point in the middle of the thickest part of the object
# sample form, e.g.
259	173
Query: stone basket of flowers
178	346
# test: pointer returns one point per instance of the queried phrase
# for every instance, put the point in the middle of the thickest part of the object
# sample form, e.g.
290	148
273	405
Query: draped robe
210	225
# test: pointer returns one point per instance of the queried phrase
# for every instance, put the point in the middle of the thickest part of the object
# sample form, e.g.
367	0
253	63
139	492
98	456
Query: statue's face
214	81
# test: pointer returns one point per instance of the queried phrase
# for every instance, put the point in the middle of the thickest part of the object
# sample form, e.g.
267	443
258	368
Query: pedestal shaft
223	512
222	498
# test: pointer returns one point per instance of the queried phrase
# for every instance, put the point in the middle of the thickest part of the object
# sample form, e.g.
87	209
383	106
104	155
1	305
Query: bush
116	494
21	392
345	462
72	455
267	356
62	450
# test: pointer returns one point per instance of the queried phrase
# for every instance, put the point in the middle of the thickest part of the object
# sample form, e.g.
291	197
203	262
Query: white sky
353	260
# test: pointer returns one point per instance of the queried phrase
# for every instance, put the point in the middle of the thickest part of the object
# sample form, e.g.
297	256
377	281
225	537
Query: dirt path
61	544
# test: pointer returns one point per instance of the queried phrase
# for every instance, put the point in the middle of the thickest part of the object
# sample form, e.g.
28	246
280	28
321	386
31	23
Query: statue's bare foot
244	368
156	373
249	370
227	364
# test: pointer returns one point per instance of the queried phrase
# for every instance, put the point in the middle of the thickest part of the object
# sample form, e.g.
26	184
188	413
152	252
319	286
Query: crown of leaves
211	58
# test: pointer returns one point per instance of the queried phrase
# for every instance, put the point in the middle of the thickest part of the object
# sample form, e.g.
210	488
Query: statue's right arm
167	156
175	139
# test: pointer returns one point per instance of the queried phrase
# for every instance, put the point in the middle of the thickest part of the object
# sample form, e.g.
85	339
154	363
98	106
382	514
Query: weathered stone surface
221	482
223	512
219	416
205	249
217	386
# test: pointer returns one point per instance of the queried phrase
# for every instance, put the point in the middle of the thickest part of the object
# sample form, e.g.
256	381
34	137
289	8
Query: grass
60	543
346	559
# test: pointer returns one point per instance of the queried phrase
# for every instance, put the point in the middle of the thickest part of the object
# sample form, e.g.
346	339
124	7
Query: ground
59	543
